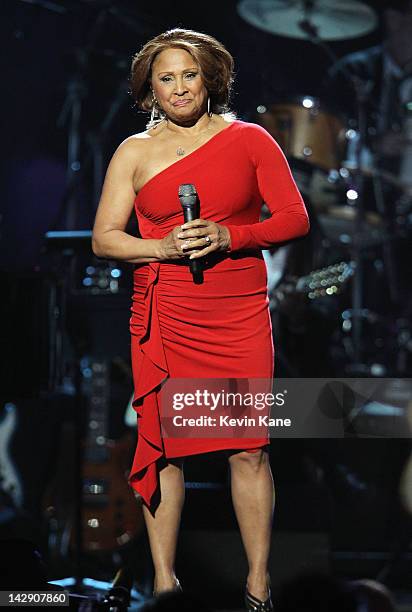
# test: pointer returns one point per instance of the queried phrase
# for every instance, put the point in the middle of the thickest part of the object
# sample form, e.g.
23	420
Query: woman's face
178	85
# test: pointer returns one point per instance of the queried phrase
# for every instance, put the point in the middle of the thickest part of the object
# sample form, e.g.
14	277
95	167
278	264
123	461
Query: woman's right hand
171	245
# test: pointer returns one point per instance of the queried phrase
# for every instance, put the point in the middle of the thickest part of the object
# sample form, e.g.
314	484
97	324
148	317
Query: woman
221	327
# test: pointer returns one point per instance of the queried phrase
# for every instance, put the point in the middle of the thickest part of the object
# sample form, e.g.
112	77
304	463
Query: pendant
180	151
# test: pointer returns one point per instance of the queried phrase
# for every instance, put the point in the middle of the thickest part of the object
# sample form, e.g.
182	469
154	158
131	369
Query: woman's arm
109	238
289	218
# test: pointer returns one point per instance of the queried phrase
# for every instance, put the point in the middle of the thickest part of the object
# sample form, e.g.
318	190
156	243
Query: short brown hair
215	61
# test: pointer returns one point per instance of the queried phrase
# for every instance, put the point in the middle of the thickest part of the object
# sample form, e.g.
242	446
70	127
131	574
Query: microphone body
191	210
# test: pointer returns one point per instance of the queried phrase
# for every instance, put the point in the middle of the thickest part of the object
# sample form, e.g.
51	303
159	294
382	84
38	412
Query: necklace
180	151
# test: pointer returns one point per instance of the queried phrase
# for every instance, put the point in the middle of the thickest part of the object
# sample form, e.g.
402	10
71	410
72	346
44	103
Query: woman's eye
167	79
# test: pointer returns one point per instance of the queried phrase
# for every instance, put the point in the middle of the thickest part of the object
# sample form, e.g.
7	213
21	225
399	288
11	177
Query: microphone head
187	194
187	189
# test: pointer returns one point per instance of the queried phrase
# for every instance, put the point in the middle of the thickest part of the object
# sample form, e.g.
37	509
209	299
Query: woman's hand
171	245
195	239
200	237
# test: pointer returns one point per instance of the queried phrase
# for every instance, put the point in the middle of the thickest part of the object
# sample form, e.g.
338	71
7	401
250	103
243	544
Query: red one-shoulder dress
221	327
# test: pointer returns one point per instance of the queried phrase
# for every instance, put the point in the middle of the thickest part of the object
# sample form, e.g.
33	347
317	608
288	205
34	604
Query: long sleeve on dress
289	218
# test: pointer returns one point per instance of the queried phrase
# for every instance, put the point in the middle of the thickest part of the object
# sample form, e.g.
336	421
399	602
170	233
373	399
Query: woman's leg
253	498
163	525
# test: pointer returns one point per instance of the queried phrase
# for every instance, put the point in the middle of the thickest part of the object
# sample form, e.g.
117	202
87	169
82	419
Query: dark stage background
338	504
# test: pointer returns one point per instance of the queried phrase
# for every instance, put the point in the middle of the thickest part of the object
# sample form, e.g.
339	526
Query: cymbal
327	19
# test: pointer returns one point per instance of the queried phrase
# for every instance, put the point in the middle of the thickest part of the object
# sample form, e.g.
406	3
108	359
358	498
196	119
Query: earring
208	107
154	113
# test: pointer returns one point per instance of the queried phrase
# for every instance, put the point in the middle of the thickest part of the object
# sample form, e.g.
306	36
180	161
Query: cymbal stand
71	115
362	89
92	158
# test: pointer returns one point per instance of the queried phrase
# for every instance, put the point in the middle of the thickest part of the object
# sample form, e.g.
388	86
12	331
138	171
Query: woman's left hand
202	237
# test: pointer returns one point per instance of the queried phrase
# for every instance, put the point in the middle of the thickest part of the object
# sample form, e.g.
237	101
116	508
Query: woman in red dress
220	327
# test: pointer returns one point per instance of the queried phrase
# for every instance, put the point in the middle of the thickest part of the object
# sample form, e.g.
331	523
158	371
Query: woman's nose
180	87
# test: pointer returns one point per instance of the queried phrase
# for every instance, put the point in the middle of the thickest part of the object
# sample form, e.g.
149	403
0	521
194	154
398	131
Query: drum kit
325	151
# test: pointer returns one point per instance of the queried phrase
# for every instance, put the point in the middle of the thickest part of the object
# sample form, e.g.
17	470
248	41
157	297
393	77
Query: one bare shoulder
131	152
133	144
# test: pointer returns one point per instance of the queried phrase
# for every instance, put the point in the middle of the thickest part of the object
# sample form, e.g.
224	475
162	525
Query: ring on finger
208	240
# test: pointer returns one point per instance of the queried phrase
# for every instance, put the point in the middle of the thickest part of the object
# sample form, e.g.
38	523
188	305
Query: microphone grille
187	189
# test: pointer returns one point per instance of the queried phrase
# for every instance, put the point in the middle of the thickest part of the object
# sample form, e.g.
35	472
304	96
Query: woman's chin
183	114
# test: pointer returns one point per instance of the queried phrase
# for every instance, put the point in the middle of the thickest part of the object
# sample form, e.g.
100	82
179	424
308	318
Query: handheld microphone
191	210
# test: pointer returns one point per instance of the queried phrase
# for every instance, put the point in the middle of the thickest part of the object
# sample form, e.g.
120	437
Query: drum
306	131
318	145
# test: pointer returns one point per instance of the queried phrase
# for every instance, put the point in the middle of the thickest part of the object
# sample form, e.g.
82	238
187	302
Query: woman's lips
181	103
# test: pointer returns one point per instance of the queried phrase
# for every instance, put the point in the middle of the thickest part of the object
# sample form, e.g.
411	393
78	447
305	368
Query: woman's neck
191	127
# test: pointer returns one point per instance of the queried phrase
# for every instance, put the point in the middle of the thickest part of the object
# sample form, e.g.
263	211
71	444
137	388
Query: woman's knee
244	460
